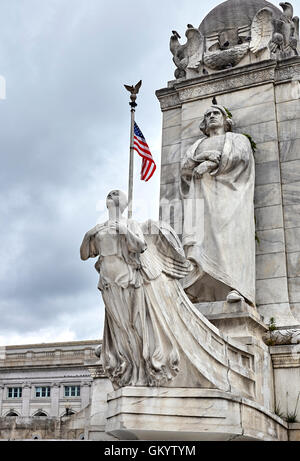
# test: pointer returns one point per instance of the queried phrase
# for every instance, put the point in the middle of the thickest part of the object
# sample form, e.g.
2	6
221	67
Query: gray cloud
64	131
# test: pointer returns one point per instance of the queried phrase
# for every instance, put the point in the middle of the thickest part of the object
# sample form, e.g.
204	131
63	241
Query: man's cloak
220	204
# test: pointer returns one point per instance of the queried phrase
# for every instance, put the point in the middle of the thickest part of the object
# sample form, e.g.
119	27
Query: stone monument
219	173
203	307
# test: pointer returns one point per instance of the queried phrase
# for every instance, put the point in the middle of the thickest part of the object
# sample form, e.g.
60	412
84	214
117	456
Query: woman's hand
121	228
118	226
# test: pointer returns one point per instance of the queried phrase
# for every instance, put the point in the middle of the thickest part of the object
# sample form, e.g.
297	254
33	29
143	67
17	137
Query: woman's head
117	199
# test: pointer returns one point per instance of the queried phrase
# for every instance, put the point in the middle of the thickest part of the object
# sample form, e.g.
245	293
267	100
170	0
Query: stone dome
233	14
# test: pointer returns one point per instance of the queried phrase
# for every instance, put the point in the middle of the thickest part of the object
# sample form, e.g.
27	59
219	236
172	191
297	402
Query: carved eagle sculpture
134	89
279	35
188	55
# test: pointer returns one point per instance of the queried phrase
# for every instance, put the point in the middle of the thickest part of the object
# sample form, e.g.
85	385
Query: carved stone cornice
226	81
282	337
225	84
218	83
169	99
97	371
56	384
26	384
288	70
285	360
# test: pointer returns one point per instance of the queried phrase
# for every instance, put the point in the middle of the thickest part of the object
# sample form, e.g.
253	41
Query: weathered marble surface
138	346
266	152
236	33
282	337
270	266
270	241
290	150
282	312
270	217
286	364
271	291
291	193
189	414
267	194
240	89
287	91
153	335
224	253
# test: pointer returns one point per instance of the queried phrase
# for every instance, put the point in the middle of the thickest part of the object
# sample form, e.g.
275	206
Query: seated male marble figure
218	172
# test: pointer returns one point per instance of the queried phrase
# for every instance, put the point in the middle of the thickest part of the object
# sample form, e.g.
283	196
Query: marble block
171	117
287	91
251	115
293	264
290	171
269	217
261	132
267	173
289	129
288	110
291	193
267	195
169	173
292	239
294	289
270	266
270	241
290	150
281	312
286	363
236	320
189	414
171	154
292	216
171	135
272	291
266	152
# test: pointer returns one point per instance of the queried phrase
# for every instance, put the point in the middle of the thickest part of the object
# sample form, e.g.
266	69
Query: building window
40	413
14	392
72	391
43	391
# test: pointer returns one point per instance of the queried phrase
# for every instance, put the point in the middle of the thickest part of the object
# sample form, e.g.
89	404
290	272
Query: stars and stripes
140	145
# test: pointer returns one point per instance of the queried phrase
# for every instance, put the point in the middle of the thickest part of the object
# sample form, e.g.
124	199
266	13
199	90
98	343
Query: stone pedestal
286	365
237	320
189	414
101	387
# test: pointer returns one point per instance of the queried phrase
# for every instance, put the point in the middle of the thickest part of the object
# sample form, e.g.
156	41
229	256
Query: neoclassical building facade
46	380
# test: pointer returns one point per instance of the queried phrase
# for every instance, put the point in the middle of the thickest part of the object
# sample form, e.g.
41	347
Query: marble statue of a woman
137	347
153	335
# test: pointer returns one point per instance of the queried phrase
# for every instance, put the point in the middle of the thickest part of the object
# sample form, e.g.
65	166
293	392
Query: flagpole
131	158
133	94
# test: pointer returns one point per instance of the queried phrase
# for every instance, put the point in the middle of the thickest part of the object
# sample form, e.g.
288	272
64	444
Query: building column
85	394
55	390
1	398
26	394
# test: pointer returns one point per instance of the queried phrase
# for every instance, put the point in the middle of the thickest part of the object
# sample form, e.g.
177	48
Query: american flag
140	145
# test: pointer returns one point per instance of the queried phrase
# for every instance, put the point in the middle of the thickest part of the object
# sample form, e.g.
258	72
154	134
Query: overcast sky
64	130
